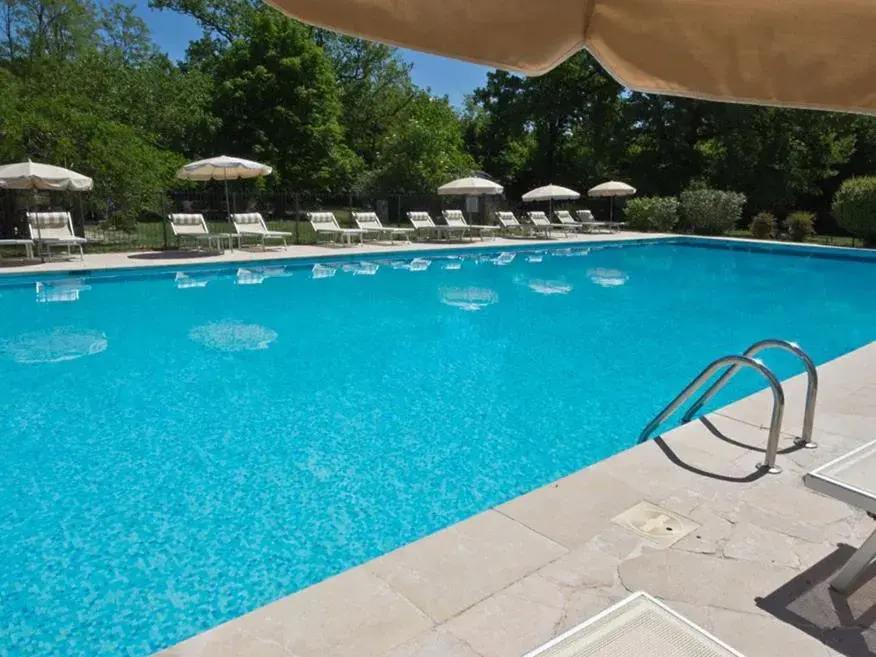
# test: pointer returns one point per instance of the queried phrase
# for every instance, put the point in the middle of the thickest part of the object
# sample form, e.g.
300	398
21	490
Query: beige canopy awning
818	54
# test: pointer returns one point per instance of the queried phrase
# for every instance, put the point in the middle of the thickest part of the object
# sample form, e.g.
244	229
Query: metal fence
111	229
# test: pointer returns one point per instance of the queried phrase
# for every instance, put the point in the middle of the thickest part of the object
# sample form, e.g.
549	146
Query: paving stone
511	622
354	614
449	571
784	505
702	579
660	471
709	537
584	567
437	642
528	614
574	509
752	543
754	635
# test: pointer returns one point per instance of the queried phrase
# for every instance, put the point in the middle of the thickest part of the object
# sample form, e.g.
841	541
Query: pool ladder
733	364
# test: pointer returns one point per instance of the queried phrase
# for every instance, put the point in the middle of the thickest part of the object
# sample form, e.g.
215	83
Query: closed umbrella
611	189
550	193
42	177
471	186
815	54
225	168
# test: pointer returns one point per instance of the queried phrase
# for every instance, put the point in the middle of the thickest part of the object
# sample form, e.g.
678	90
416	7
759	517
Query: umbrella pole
39	231
227	204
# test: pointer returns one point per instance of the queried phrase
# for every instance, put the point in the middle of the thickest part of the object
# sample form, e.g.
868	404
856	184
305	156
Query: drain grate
659	526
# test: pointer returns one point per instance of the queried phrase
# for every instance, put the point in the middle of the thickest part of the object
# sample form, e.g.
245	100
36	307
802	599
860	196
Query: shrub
652	213
763	226
854	208
800	226
710	211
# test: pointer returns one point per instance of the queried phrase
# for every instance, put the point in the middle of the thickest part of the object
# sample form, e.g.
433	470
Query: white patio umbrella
550	193
36	176
611	189
471	186
225	168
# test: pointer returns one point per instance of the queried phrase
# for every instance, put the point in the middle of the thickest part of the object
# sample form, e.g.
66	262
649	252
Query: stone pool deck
746	555
101	261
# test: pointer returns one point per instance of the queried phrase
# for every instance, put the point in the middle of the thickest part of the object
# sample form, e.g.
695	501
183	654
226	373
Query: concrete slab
448	572
354	613
527	614
574	509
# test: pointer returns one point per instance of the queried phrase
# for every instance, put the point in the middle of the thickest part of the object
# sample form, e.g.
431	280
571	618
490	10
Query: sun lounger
371	224
585	218
27	244
422	223
325	223
565	218
511	226
48	229
193	227
539	218
457	219
638	626
851	479
252	224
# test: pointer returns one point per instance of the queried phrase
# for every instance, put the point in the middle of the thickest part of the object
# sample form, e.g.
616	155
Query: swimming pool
180	447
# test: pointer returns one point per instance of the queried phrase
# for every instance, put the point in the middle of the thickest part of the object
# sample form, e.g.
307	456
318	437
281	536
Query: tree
277	99
84	87
422	151
57	29
375	87
777	156
126	33
567	126
222	20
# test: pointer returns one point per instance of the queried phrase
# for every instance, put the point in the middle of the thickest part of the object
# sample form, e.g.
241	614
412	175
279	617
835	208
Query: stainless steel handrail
737	362
805	438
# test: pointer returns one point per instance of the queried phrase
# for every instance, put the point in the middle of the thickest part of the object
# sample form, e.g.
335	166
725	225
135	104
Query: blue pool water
177	450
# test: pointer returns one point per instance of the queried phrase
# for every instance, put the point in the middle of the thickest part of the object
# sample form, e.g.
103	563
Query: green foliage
375	88
854	207
422	152
800	226
710	211
569	123
278	101
763	226
652	213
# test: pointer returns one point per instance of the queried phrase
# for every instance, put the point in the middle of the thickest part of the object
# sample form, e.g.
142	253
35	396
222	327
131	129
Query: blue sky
444	76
